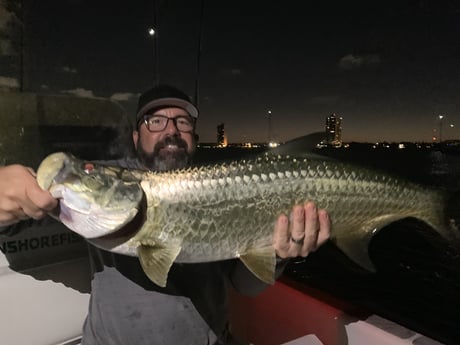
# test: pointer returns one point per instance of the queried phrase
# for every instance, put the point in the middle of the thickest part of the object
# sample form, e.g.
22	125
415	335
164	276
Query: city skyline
333	133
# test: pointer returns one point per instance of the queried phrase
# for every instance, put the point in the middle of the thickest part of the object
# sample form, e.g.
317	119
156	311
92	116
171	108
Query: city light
440	127
270	134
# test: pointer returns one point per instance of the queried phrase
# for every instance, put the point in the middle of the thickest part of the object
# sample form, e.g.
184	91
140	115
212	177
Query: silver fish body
225	211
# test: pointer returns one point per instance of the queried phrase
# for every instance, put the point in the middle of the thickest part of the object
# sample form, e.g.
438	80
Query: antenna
198	60
22	49
156	44
270	134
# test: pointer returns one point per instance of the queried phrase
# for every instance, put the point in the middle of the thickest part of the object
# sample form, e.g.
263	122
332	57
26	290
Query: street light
269	126
440	128
452	132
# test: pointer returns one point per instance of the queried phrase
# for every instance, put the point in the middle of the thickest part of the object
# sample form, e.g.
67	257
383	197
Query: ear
135	138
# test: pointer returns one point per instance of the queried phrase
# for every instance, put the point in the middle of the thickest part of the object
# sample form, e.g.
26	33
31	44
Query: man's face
168	149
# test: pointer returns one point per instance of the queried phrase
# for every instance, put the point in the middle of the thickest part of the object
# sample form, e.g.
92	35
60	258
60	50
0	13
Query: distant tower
221	137
270	134
334	130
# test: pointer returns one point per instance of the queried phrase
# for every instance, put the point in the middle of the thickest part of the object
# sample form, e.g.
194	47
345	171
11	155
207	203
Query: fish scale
328	185
228	210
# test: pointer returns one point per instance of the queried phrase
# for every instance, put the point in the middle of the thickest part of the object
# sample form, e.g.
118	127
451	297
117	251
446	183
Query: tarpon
223	211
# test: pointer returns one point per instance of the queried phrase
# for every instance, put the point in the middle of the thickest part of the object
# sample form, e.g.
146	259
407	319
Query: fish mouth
50	168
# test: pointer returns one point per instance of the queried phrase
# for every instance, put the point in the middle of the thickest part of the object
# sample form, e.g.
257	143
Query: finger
324	227
26	209
33	211
281	236
298	223
11	213
31	171
11	206
297	229
41	199
311	228
37	202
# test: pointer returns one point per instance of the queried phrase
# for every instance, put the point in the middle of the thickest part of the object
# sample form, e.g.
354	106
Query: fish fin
356	246
261	262
156	262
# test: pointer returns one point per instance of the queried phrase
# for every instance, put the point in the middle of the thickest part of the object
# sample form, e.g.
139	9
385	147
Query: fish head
93	202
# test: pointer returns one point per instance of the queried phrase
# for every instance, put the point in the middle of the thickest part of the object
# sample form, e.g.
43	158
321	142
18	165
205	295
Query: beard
165	160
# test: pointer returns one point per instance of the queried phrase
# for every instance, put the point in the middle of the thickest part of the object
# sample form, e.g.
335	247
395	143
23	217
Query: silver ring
299	241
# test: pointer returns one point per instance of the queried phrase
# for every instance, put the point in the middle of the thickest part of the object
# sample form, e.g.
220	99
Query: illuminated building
221	137
334	130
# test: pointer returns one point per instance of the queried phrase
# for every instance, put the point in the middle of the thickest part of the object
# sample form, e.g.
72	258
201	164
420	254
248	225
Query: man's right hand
21	197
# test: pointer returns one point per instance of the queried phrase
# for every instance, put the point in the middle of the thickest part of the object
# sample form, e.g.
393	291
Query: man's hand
21	197
303	232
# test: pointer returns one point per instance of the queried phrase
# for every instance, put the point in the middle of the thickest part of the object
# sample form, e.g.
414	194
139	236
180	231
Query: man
125	306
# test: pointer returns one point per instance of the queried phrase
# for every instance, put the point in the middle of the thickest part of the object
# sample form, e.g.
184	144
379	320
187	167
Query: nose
171	127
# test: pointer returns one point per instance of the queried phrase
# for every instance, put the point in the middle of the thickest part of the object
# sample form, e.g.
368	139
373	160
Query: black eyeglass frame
146	117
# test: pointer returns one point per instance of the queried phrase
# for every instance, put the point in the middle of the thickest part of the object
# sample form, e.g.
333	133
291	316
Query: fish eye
88	167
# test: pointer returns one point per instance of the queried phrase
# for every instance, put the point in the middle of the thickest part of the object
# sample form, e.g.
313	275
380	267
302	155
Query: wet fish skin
225	211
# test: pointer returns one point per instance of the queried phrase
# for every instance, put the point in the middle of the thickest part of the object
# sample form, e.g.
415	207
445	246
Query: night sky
389	68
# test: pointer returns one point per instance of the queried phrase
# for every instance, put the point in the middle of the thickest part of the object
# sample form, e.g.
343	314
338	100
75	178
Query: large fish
228	210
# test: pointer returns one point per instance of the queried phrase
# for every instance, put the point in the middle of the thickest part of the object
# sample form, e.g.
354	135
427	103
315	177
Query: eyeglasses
157	123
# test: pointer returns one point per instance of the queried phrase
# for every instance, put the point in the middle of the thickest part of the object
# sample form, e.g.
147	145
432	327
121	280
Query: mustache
176	141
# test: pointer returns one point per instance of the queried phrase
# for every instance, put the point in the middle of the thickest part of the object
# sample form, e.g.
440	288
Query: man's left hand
304	231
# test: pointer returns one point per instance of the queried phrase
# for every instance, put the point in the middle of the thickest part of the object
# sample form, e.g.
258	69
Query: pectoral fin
261	262
156	262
